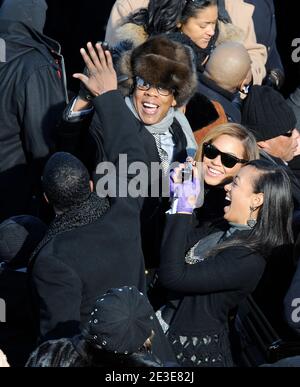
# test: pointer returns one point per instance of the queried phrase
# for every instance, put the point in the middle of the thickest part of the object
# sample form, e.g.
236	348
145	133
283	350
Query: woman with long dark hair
137	20
211	270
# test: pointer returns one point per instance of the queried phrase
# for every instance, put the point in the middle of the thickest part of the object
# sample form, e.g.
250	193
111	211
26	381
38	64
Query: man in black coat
156	78
268	116
93	244
33	96
226	74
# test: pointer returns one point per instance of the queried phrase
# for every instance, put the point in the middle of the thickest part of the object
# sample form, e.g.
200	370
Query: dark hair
161	16
65	181
192	7
274	221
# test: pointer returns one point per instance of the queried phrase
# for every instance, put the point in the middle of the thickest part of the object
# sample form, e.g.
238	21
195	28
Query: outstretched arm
120	129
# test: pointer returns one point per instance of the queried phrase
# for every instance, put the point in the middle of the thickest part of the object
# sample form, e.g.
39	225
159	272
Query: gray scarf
198	252
164	125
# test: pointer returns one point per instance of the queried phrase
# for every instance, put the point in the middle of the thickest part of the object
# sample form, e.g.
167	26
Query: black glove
274	78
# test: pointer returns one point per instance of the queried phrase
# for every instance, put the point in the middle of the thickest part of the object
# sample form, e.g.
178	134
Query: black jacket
77	266
207	291
33	96
17	334
227	99
292	302
266	32
89	144
295	183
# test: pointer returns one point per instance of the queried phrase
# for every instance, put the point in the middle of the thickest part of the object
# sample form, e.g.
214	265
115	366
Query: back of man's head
229	65
65	181
30	12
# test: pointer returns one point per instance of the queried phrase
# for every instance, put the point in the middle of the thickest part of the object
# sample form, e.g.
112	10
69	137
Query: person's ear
244	86
91	186
179	25
263	145
174	103
257	200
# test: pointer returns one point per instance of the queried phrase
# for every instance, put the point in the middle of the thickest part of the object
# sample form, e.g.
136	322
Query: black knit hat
267	114
121	321
19	236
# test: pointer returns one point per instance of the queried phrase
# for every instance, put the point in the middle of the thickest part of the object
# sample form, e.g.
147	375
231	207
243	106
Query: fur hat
160	62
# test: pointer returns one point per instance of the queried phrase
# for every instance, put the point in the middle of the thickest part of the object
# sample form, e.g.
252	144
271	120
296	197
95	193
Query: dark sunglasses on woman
228	160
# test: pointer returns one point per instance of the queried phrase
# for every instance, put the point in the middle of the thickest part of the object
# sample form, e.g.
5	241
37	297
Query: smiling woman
223	151
213	268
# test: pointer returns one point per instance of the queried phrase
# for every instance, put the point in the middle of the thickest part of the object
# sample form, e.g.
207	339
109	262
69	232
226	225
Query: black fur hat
161	62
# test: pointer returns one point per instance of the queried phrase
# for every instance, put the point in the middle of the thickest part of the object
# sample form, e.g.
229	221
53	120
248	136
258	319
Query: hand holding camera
185	186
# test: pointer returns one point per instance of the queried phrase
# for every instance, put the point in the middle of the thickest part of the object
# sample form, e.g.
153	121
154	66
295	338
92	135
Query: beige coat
3	360
241	16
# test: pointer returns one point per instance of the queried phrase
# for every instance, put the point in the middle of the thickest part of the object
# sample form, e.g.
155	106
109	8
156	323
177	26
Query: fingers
83	78
95	60
109	61
96	57
87	60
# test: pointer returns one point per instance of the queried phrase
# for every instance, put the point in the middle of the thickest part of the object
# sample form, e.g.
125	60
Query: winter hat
267	114
121	321
19	236
160	62
30	12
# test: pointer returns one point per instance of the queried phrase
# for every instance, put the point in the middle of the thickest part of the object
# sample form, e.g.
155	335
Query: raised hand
101	76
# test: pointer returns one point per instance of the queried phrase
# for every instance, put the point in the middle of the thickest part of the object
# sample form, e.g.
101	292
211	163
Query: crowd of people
138	216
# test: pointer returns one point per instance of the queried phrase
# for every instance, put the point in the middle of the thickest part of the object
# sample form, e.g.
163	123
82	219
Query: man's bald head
229	65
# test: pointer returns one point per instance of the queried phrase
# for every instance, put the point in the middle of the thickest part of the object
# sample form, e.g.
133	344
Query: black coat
292	302
77	266
266	31
33	96
17	334
88	144
294	178
207	291
229	101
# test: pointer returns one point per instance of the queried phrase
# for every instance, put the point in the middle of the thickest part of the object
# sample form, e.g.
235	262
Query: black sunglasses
141	84
229	161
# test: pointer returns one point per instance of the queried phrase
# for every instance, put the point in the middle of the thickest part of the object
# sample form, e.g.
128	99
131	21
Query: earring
251	222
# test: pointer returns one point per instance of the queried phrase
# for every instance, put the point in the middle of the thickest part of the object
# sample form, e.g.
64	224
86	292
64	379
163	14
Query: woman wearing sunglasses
223	151
211	269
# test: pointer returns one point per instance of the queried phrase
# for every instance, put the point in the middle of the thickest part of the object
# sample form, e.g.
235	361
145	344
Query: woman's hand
101	76
185	186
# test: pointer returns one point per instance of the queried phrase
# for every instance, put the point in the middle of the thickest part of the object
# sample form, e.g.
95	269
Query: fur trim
133	32
230	32
162	62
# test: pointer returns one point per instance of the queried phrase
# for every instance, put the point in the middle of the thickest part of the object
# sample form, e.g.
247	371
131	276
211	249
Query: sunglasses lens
228	161
212	152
